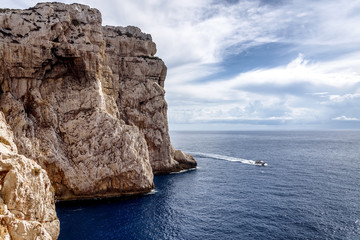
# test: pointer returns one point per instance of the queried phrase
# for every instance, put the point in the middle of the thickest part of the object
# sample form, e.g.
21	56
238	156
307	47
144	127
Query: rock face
140	93
86	102
27	207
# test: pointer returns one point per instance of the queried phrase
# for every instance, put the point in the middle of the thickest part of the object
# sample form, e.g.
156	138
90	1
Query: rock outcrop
140	93
27	206
86	102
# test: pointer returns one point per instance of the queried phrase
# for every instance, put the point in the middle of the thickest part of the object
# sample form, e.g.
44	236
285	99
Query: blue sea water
310	189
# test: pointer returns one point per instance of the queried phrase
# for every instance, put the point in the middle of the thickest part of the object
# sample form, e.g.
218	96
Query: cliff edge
86	102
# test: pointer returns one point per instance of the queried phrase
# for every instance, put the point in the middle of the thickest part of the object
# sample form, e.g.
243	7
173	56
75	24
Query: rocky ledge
85	102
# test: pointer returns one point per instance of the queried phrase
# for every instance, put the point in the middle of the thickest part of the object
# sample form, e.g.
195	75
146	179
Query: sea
309	189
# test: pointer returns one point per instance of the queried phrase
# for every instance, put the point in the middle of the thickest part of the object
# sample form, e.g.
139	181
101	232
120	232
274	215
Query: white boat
260	163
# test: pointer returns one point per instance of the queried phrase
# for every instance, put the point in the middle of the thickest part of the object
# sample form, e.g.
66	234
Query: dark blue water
309	190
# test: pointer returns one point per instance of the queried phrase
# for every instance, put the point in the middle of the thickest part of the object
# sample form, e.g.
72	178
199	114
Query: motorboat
260	163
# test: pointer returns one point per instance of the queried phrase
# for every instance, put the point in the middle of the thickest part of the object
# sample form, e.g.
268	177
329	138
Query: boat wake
151	192
230	159
185	170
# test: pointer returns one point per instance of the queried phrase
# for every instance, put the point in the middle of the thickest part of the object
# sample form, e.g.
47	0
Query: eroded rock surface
27	207
86	102
140	93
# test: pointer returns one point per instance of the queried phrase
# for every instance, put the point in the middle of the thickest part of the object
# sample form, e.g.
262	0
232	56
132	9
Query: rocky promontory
85	102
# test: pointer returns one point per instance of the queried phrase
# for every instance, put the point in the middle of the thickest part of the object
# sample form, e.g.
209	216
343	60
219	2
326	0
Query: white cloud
344	118
217	99
345	97
334	22
300	70
297	71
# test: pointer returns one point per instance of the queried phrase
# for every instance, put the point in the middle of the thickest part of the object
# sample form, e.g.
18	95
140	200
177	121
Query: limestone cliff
27	207
86	102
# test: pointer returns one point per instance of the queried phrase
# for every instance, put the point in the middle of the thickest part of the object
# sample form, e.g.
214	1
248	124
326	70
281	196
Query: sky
250	64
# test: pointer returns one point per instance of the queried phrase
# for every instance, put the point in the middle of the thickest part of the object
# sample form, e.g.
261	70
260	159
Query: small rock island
82	114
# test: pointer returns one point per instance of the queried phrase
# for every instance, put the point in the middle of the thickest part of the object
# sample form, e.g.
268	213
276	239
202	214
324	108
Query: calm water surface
309	190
